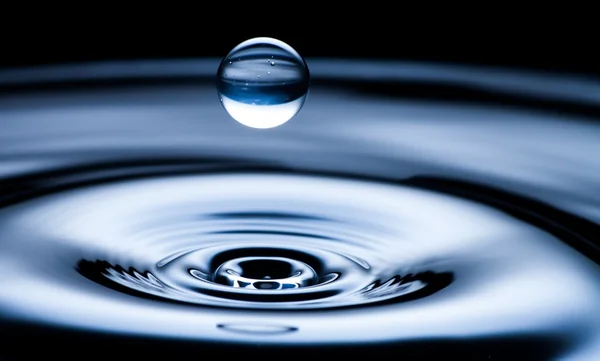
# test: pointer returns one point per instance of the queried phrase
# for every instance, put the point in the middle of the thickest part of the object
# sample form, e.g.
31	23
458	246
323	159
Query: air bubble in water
255	99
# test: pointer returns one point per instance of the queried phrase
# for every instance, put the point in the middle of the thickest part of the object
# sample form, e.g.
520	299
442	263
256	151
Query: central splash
265	273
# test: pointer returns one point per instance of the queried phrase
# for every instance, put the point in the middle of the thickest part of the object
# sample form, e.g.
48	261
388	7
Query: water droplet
278	98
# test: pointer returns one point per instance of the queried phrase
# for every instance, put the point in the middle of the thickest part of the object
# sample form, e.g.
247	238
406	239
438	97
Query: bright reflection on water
434	228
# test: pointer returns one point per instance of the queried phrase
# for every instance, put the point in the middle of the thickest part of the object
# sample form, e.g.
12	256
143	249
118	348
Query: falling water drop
278	97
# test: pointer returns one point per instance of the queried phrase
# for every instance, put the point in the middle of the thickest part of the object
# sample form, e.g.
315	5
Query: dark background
532	42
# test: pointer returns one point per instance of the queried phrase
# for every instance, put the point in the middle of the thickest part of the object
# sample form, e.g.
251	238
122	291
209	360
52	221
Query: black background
530	42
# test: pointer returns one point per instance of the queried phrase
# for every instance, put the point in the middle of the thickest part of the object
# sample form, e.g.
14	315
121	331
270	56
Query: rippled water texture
408	210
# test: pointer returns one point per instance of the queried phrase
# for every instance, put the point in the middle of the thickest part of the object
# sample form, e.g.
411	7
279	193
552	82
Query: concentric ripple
273	242
374	225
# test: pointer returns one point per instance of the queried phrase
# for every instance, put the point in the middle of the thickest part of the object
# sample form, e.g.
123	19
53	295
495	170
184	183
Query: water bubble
278	97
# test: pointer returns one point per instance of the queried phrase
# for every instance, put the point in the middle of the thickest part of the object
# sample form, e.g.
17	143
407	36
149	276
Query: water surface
422	210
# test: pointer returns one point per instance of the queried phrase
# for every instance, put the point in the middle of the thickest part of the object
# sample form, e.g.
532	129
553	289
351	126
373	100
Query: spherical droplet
264	101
